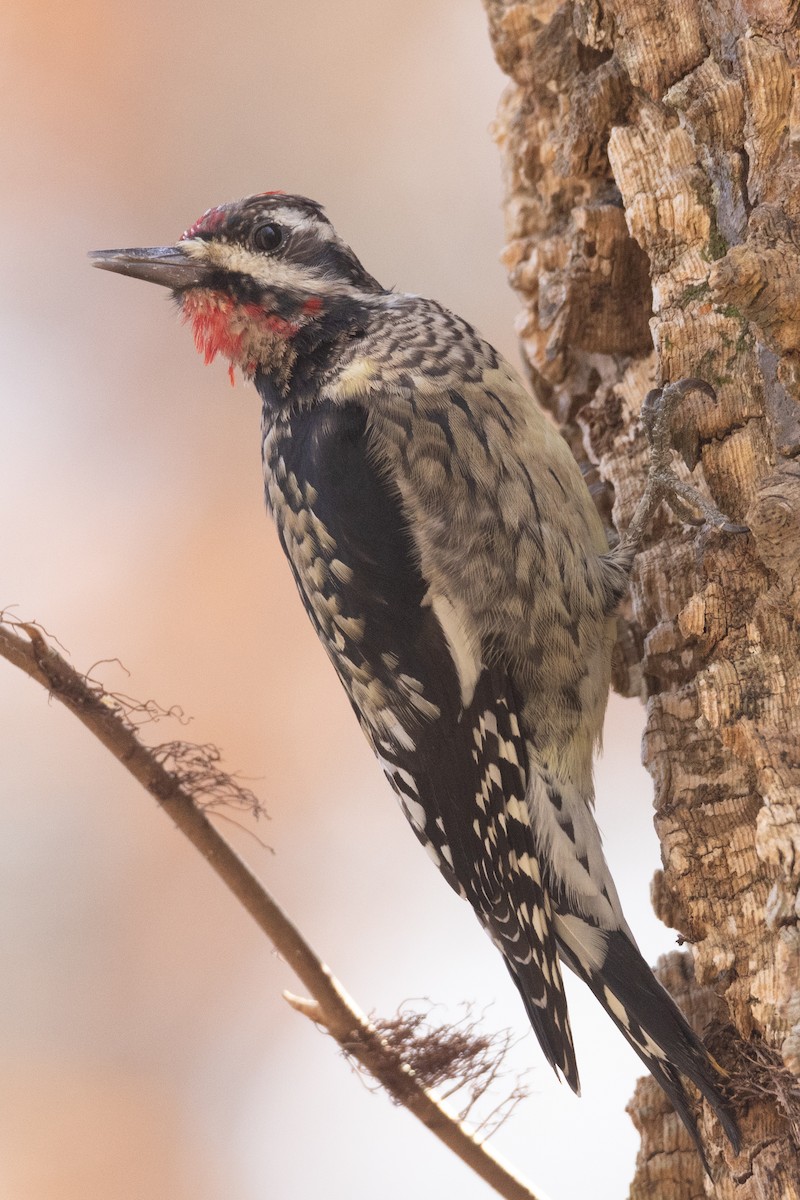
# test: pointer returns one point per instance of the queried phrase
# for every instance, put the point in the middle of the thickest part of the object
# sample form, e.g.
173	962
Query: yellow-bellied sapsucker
450	557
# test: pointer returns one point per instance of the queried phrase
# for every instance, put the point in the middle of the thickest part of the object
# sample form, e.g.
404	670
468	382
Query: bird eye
267	237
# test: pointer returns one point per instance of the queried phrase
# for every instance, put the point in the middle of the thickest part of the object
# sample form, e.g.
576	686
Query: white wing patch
455	626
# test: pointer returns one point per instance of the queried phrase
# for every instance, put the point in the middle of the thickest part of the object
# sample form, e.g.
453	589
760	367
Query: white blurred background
145	1049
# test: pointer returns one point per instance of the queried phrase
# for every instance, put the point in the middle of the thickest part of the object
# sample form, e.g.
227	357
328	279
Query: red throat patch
237	331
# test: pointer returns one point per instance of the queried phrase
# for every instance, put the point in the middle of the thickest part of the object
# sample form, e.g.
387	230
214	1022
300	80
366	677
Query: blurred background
145	1049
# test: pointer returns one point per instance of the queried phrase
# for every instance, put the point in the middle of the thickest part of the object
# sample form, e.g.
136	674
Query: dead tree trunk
653	200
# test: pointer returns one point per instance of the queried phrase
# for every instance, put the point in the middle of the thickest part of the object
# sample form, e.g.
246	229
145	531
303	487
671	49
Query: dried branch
200	773
426	1055
196	775
460	1055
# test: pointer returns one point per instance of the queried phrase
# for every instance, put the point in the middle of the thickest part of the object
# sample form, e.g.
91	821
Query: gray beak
167	265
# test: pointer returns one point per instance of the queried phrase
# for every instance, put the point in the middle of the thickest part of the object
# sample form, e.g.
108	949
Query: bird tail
523	932
651	1021
552	1029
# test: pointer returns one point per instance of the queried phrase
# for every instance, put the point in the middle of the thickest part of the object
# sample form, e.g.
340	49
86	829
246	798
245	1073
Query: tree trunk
653	196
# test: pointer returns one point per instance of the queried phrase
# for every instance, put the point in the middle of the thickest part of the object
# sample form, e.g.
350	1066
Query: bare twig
110	721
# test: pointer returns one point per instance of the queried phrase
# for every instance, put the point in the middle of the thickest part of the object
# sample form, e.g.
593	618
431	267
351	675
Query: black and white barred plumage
449	555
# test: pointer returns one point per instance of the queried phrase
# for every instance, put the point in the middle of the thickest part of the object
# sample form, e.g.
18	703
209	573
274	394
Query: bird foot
662	481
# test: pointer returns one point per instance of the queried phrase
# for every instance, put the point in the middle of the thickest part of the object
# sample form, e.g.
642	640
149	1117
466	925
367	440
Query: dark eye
267	237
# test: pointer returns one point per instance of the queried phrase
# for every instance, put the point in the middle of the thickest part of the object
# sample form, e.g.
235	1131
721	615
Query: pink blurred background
145	1049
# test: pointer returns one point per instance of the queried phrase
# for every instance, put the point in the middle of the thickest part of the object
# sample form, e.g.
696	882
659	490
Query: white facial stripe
288	215
268	271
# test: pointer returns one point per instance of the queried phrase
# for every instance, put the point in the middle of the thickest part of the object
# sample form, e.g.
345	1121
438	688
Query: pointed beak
168	265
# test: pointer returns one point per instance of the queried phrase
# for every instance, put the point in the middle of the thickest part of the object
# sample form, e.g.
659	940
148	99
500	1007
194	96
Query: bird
450	557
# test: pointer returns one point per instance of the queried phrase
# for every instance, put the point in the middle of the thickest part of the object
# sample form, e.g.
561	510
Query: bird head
255	279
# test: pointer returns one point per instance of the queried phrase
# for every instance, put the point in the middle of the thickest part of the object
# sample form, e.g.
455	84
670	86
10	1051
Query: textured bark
653	219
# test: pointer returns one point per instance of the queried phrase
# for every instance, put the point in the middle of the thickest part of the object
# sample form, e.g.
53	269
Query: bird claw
660	403
662	482
658	411
681	496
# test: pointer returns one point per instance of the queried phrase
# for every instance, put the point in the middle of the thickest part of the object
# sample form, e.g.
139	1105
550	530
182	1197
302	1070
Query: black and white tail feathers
529	917
655	1027
512	901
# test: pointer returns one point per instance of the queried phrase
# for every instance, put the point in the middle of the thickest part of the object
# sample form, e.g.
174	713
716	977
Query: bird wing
444	724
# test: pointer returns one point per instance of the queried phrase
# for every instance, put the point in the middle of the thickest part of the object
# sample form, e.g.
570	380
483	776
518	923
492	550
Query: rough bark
653	219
